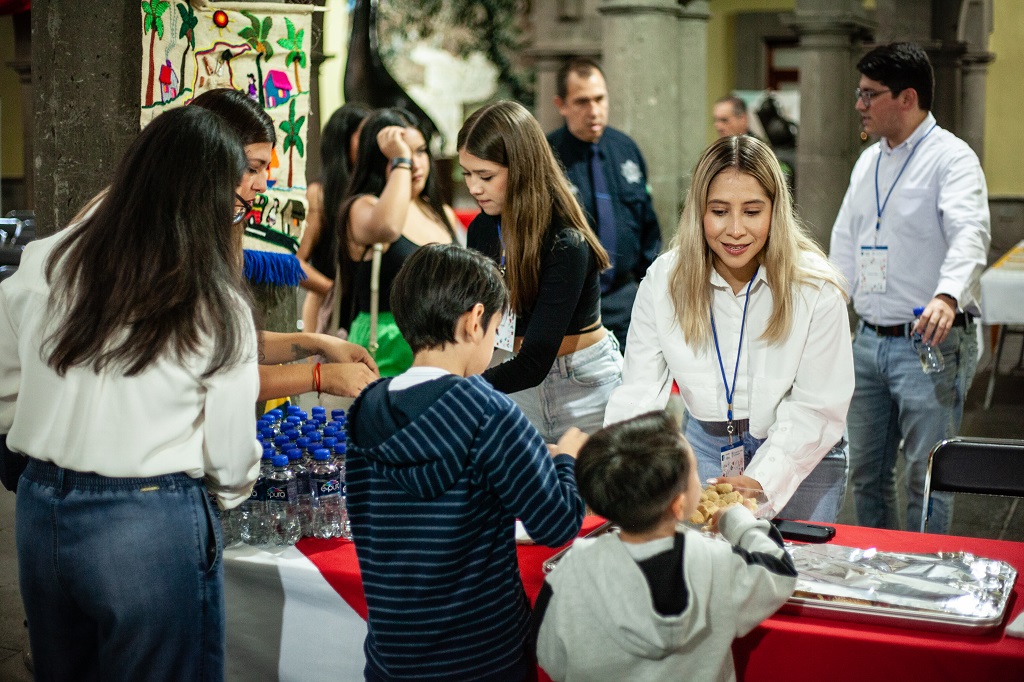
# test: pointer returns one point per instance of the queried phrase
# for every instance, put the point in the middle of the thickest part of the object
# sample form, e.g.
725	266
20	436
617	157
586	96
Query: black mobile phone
804	532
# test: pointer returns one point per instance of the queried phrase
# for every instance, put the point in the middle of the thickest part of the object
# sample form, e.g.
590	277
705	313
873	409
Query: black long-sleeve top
568	301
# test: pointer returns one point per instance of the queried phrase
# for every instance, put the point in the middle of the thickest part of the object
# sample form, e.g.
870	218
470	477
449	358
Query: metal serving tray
946	592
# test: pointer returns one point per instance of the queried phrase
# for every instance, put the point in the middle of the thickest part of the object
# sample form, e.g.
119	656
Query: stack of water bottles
300	491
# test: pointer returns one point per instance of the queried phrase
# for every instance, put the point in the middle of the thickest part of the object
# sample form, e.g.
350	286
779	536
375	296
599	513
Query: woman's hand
393	144
345	379
740	482
334	349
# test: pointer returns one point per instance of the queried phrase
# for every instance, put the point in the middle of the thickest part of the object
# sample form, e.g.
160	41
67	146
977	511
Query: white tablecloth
1002	289
285	622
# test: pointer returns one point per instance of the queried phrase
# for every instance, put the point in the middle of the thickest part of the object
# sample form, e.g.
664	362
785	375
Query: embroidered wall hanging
263	50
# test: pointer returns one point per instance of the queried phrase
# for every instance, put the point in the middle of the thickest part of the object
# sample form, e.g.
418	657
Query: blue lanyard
729	393
501	265
879	204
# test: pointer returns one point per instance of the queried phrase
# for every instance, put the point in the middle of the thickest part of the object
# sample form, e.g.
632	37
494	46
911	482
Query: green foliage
293	43
154	11
292	129
189	21
257	34
488	26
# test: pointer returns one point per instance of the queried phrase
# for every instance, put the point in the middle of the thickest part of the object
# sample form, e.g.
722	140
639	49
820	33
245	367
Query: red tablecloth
795	648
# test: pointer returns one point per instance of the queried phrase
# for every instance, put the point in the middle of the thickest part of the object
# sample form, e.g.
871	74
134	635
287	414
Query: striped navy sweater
437	475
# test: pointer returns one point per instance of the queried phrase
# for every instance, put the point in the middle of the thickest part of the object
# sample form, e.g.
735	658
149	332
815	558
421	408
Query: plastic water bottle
340	450
328	513
282	503
302	485
931	357
251	514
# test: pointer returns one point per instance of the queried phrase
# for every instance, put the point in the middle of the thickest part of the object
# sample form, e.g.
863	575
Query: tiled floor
982	517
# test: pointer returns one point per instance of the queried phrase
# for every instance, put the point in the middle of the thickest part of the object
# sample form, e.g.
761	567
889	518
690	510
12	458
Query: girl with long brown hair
566	363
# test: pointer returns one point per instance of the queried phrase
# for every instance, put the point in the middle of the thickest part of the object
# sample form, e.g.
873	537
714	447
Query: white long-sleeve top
795	392
936	225
165	420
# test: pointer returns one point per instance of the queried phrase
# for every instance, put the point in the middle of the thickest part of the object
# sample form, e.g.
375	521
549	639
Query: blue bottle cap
294	409
329	441
282	440
308	427
321	454
337	413
269	452
314	436
267	433
330	431
281	460
275	413
340	449
918	311
294	453
303	442
293	434
294	419
318	409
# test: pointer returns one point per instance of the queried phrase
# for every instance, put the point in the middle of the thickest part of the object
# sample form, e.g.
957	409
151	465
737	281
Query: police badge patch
631	172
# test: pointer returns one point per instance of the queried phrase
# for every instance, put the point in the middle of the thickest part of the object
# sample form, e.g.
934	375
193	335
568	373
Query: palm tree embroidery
296	56
256	35
292	139
187	31
154	26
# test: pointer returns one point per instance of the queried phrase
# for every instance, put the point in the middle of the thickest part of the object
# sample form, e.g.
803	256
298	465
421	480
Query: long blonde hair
507	134
783	256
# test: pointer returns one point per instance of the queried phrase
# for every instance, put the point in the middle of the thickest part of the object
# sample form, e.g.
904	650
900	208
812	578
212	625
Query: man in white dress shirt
913	232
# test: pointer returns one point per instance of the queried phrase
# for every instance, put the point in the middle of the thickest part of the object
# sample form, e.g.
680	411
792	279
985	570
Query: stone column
87	75
22	65
655	61
972	123
828	141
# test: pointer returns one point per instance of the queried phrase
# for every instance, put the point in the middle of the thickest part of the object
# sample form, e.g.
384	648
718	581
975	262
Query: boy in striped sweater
440	466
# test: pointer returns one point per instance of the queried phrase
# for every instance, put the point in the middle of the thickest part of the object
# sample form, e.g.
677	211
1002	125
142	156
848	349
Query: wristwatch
400	162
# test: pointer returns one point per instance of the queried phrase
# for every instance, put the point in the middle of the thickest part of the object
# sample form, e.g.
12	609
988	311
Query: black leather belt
721	429
904	330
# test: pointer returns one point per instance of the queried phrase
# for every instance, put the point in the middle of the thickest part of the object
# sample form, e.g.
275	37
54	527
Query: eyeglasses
241	211
866	96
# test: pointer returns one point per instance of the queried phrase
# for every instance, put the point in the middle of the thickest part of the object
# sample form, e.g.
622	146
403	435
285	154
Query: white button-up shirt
936	224
795	392
163	420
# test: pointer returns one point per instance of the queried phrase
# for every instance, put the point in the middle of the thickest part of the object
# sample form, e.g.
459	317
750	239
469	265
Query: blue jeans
122	578
895	399
575	391
819	496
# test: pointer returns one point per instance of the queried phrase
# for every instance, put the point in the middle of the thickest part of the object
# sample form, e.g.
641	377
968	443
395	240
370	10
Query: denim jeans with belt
820	495
122	578
575	391
893	400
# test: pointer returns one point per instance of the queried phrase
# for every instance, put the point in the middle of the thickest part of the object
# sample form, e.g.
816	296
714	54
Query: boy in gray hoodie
440	466
652	603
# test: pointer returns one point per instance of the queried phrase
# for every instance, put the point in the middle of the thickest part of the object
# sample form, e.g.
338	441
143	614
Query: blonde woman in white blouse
750	320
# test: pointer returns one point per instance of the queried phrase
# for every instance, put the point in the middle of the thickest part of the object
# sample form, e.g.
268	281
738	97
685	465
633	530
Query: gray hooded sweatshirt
599	620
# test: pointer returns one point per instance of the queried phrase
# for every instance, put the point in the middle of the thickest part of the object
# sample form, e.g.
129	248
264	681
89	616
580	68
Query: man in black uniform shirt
617	203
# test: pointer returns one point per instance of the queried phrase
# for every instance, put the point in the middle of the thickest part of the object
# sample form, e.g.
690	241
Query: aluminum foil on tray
943	591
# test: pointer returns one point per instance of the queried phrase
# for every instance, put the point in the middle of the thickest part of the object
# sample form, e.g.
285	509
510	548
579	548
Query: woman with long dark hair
128	376
392	200
318	251
566	362
349	367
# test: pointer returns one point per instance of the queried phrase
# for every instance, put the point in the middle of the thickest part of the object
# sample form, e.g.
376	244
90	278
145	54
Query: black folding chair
983	466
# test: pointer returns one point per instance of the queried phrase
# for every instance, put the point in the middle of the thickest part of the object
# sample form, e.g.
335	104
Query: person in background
130	382
440	466
566	362
608	174
318	250
650	602
749	319
392	200
913	231
348	366
730	117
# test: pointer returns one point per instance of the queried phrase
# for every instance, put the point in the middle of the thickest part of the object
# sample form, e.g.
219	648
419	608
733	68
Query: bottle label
259	491
327	485
282	491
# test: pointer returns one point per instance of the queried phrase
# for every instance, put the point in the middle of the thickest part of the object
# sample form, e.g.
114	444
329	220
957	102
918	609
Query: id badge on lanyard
733	460
874	268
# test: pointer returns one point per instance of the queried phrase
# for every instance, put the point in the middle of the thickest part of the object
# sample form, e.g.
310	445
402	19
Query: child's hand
571	442
713	523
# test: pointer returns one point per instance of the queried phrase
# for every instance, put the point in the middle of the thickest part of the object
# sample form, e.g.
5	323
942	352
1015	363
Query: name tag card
732	459
874	267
